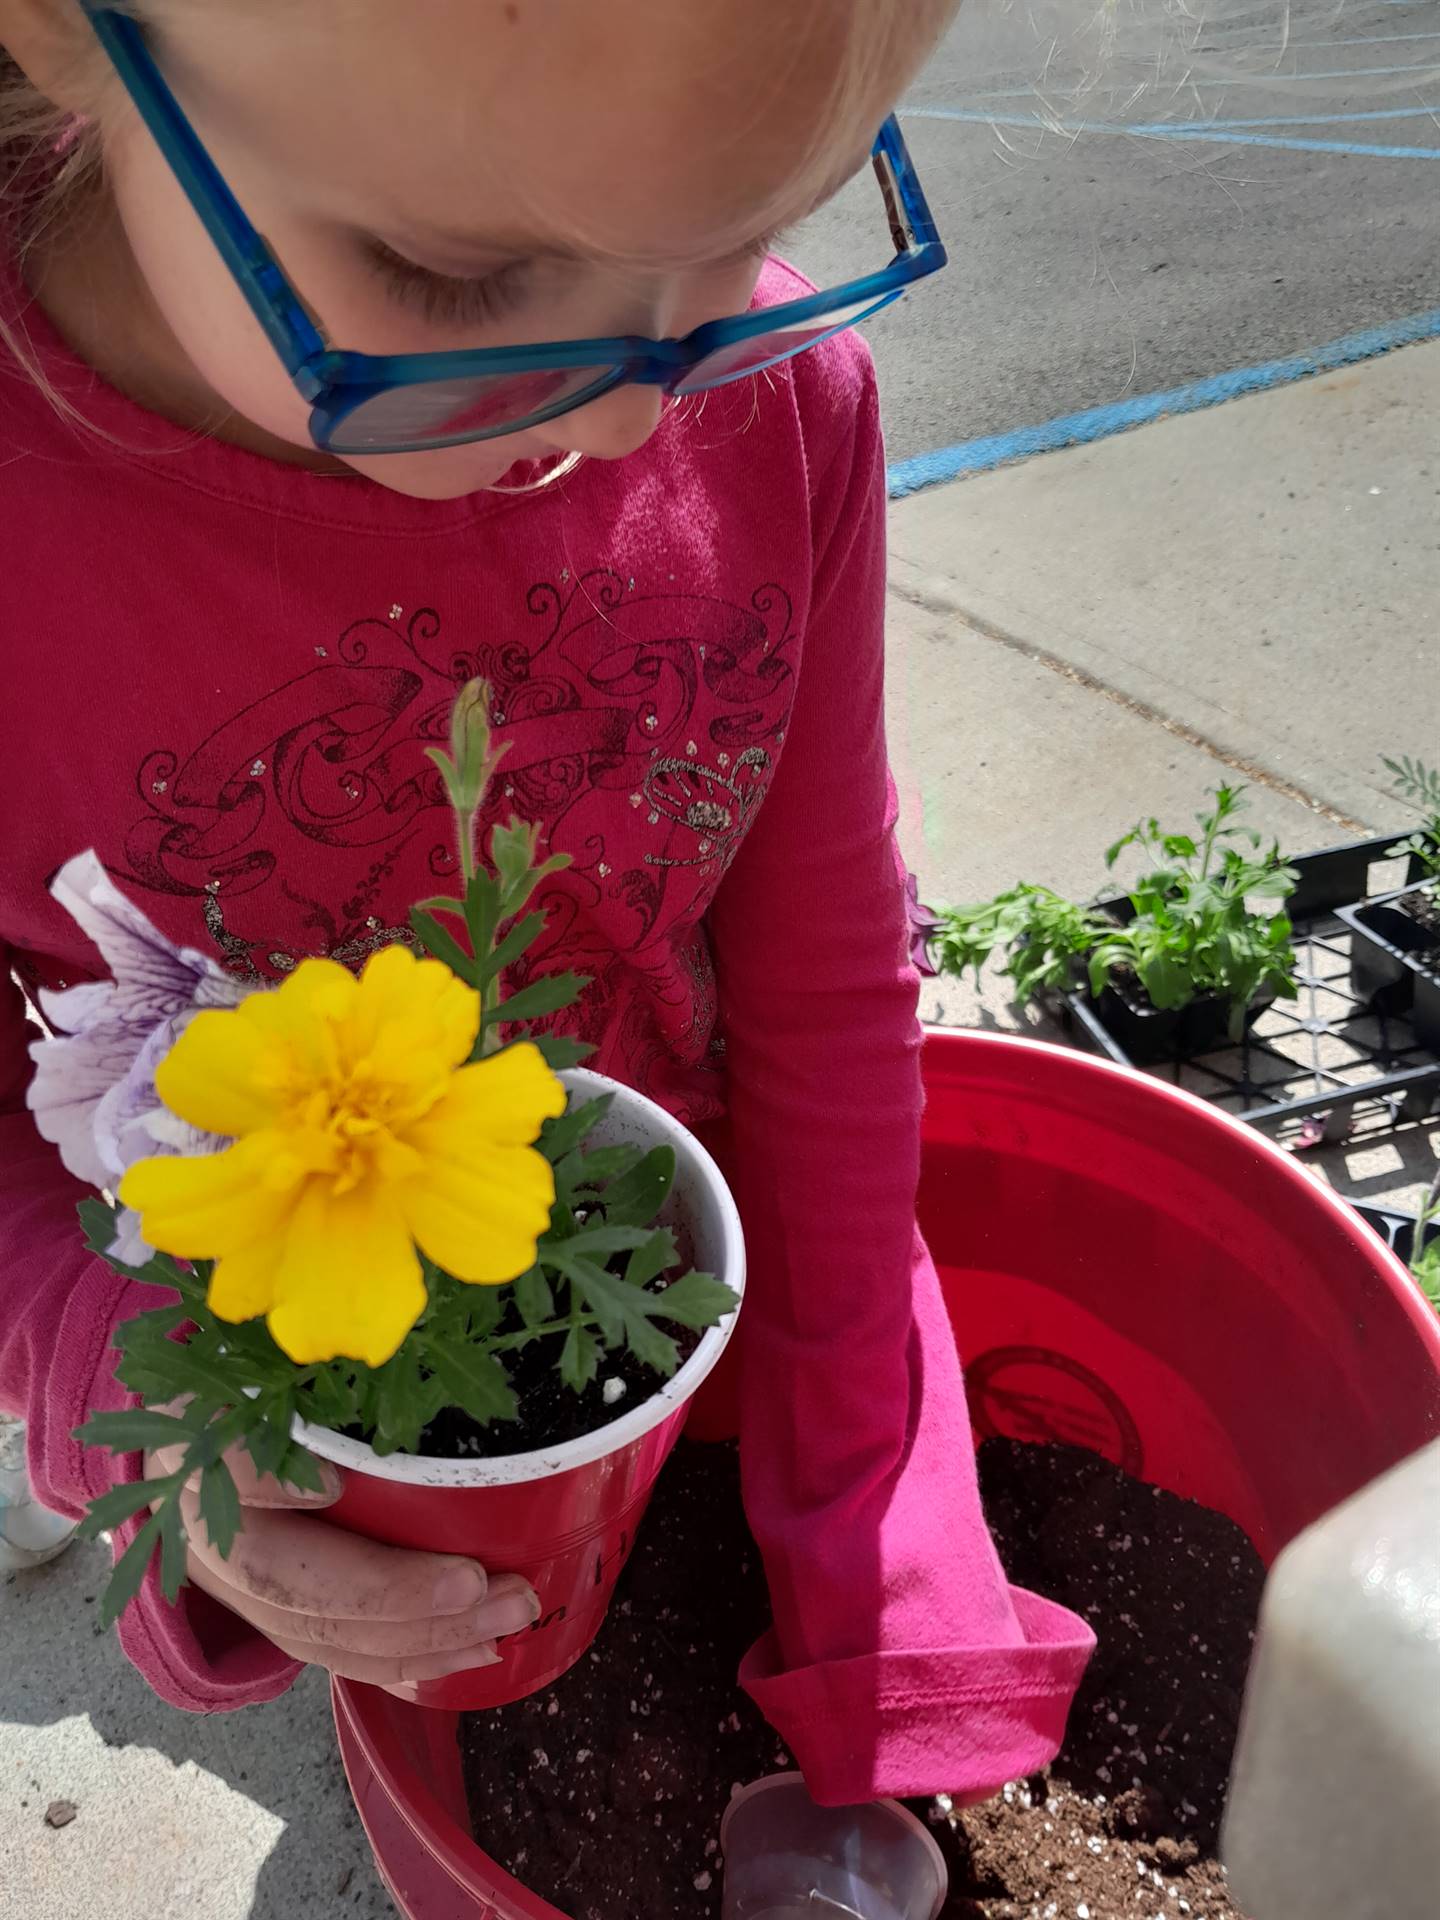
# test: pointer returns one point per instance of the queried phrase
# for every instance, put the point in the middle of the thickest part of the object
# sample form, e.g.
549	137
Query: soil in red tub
605	1794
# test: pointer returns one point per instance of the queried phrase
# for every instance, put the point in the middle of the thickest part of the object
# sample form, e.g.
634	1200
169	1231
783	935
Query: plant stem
507	1341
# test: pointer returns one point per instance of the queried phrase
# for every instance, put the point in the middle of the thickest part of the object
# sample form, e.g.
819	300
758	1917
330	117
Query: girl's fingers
300	1565
509	1607
254	1489
403	1672
264	1490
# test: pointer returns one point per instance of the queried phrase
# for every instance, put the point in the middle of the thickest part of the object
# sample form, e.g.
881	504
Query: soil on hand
605	1795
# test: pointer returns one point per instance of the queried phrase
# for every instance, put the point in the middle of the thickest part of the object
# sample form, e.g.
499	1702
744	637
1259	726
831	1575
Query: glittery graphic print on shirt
642	731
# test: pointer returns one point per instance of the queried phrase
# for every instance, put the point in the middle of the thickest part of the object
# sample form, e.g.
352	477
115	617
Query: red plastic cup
566	1516
1129	1270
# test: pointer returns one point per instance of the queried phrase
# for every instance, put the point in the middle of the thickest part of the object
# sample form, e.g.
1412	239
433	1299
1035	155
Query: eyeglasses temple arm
272	299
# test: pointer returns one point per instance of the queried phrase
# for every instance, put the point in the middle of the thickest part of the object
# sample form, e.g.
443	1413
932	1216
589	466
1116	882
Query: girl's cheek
198	299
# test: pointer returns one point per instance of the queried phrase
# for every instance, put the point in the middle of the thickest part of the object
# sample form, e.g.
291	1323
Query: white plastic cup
787	1859
29	1533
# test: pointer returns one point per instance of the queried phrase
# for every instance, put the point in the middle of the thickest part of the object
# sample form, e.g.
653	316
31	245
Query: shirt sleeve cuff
962	1720
196	1654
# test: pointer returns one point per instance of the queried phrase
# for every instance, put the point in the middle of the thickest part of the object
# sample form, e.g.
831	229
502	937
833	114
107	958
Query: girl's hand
357	1607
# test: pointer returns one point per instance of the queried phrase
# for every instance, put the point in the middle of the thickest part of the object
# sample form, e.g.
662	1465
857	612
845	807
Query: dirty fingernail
458	1588
511	1615
404	1690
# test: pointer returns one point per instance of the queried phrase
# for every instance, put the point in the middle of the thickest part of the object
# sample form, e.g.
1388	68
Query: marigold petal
214	1075
350	1283
301	1016
243	1283
411	1011
204	1206
480	1215
504	1100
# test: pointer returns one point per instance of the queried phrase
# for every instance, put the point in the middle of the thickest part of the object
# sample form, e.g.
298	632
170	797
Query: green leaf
400	1407
118	1504
579	1358
220	1506
521	937
563	1134
624	1311
269	1443
636	1197
602	1239
649	1261
98	1223
133	1430
172	1550
476	1382
482	912
129	1572
482	1307
652	1348
331	1400
159	1368
444	946
591	1165
533	1298
550	994
512	851
297	1468
559	1051
697	1300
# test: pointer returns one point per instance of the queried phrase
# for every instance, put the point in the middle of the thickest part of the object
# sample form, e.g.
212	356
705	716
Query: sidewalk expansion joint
1078	676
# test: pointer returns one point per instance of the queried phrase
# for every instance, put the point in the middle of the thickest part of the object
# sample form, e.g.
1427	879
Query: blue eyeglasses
409	402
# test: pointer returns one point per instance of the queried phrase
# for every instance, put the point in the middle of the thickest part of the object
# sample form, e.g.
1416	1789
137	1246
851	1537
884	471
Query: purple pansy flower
923	924
93	1095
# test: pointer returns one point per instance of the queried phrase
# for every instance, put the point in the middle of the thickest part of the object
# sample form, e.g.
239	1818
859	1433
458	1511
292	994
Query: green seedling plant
1425	1252
1192	929
1420	785
607	1275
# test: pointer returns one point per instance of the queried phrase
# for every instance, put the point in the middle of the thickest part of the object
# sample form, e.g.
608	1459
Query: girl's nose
610	427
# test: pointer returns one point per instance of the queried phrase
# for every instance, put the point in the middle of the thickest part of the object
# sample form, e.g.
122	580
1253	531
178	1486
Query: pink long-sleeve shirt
222	674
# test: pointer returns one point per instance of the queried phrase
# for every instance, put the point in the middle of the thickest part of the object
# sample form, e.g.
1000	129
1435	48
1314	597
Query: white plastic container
29	1533
1334	1808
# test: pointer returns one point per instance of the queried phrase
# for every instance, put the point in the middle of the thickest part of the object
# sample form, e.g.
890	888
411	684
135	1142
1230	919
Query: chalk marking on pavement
1033	123
1099	423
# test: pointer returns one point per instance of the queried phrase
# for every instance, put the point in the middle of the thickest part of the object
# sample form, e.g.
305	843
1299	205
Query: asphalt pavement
1132	203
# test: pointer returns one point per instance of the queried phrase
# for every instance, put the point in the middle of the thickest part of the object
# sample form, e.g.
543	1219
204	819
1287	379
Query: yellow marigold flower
360	1134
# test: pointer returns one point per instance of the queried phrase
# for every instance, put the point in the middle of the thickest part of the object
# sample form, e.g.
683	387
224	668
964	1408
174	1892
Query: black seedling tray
1395	963
1397	1230
1318	1067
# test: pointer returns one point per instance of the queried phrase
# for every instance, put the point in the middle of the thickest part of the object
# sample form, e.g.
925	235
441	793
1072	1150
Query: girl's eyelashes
445	298
450	300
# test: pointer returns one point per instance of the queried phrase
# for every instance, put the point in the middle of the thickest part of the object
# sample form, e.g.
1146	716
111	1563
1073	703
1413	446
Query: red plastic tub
1129	1270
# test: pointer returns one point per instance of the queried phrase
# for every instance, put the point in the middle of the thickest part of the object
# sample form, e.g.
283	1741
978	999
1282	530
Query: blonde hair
51	161
50	166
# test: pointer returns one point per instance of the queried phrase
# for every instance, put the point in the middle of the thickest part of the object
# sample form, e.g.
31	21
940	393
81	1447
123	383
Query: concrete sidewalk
1075	642
1248	594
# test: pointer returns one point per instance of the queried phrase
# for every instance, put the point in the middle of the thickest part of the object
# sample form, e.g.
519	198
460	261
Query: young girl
242	581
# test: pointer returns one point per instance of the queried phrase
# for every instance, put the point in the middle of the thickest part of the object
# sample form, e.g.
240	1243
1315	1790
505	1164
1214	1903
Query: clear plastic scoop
787	1859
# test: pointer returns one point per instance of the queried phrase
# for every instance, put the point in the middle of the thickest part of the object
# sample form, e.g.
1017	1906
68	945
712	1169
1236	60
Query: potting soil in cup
605	1794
